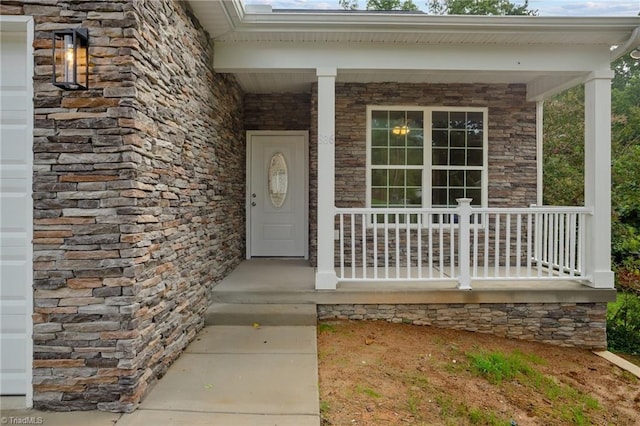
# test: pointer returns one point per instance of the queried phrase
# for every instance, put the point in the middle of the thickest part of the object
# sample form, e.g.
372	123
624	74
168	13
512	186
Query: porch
564	313
292	281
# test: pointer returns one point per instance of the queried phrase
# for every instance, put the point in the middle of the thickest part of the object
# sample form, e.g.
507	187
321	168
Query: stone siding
581	325
138	199
511	131
277	111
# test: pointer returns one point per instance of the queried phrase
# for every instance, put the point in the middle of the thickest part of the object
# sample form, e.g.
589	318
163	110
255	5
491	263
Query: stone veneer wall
512	138
277	111
138	198
581	325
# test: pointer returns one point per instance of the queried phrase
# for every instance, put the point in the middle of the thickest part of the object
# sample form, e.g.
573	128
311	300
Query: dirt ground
378	373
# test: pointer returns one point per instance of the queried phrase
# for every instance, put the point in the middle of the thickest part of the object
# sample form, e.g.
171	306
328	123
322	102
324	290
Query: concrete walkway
230	375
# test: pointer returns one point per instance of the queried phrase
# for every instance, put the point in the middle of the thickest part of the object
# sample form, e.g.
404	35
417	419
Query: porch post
325	273
597	188
464	251
539	151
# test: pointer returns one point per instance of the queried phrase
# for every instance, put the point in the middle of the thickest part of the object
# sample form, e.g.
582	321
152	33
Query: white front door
277	194
16	229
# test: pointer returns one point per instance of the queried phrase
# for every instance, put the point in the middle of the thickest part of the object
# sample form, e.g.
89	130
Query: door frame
25	24
249	136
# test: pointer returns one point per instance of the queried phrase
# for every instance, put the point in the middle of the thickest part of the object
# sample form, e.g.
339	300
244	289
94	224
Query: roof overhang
280	50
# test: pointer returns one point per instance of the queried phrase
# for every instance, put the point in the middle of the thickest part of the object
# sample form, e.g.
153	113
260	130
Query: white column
325	273
540	151
597	186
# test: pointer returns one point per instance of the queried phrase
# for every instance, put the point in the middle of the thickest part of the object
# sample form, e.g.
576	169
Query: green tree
381	5
564	158
563	162
478	7
348	4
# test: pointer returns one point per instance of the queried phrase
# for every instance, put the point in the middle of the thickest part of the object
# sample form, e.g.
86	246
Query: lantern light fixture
401	130
71	59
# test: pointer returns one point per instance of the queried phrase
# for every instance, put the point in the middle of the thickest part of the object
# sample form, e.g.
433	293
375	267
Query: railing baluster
452	249
408	223
567	242
386	246
341	240
545	247
551	243
507	246
375	246
518	244
476	225
397	229
572	244
561	242
430	236
487	226
364	246
582	239
542	218
441	226
529	231
497	249
419	243
353	245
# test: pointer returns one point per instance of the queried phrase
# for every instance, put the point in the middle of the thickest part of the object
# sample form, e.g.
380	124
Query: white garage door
16	166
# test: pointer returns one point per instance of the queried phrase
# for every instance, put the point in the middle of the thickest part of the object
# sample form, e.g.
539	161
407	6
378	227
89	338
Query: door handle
253	204
253	195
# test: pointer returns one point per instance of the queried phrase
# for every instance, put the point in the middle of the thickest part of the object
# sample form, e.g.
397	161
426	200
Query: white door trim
25	24
250	134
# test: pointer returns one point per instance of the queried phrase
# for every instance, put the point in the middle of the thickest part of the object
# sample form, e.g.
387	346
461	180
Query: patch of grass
575	415
630	377
417	380
453	412
328	328
368	391
449	408
496	366
570	404
324	407
413	405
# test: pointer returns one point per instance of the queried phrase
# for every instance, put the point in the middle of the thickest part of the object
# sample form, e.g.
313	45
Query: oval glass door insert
278	180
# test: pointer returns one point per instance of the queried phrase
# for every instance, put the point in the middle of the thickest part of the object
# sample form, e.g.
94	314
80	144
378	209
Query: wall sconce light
71	59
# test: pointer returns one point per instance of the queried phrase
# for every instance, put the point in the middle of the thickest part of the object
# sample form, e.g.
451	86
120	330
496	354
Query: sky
545	7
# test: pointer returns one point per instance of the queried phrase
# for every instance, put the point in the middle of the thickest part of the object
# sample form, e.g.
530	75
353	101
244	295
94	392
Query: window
426	157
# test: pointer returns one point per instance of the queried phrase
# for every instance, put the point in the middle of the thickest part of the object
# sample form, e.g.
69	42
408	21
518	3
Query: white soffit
218	17
234	29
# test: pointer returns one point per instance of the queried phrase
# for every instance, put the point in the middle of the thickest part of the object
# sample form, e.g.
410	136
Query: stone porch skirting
580	325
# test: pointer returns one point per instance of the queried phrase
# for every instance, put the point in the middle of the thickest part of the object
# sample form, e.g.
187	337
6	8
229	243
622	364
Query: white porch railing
461	244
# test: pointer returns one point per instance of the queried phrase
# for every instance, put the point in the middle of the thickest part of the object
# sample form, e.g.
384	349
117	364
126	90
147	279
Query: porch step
264	314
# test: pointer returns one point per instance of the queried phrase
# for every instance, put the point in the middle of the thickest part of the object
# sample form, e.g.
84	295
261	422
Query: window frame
427	166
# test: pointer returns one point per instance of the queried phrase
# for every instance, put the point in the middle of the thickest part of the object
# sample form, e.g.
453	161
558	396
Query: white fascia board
271	57
615	30
378	21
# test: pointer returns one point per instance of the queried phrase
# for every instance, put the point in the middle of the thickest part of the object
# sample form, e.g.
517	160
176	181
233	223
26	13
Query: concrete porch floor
292	281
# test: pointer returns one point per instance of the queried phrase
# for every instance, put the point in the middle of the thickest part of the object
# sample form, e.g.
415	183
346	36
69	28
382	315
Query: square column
325	273
597	175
